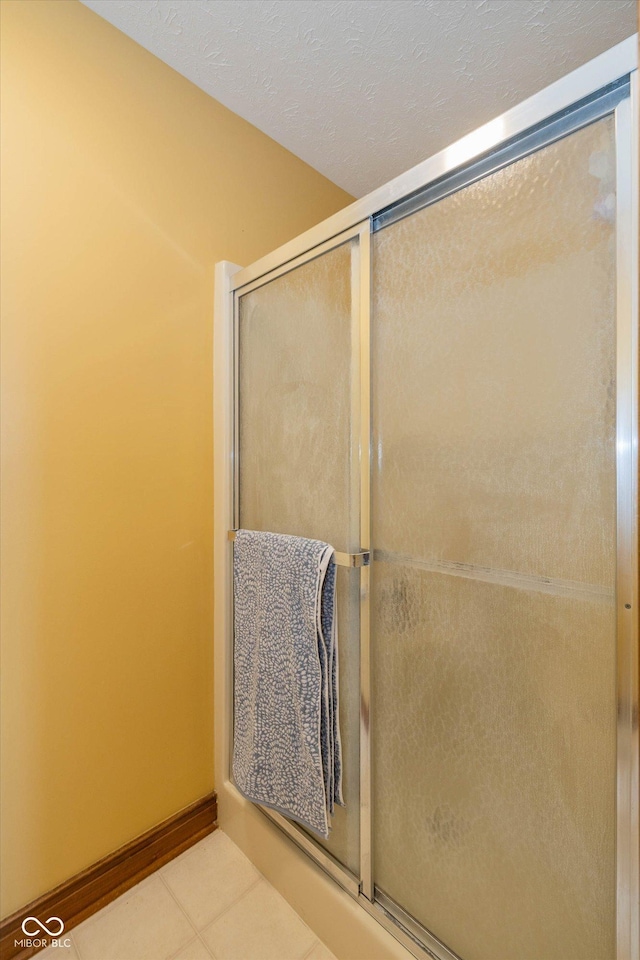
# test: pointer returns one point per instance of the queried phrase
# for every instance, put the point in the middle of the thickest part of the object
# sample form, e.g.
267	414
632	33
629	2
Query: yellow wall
123	184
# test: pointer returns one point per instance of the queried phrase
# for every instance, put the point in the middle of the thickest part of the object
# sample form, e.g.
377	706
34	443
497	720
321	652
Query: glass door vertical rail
628	792
362	326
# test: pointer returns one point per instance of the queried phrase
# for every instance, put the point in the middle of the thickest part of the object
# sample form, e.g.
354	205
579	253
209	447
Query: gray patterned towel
286	742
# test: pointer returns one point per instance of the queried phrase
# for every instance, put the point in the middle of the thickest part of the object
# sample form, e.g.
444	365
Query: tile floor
210	902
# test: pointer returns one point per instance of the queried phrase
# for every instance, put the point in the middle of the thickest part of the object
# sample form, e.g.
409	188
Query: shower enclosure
441	381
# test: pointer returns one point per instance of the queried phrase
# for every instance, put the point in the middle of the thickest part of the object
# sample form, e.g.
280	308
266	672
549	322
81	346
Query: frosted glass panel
295	456
495	777
494	531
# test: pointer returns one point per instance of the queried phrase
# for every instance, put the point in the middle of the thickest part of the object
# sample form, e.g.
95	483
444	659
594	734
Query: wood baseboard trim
87	892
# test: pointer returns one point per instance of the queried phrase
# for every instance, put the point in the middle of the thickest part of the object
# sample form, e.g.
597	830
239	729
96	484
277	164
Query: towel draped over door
287	753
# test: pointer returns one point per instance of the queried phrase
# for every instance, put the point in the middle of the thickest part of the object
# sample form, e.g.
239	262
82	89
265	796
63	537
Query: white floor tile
195	950
218	887
320	952
61	953
209	878
260	926
144	924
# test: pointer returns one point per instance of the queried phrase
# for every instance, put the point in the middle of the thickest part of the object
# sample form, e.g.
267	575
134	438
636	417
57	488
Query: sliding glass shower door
298	439
494	528
446	385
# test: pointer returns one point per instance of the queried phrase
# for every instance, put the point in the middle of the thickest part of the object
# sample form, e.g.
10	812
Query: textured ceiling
364	89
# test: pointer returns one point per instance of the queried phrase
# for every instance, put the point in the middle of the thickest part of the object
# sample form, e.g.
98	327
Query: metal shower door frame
360	513
477	155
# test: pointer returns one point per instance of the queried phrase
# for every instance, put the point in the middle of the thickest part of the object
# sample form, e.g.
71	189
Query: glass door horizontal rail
435	947
618	62
361	559
506	578
562	124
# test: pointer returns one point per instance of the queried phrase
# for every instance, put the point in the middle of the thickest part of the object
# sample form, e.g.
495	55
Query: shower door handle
362	559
